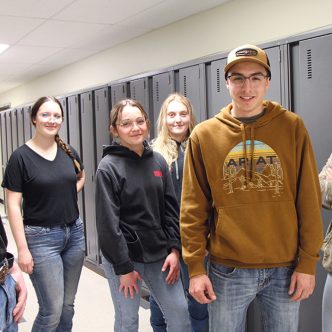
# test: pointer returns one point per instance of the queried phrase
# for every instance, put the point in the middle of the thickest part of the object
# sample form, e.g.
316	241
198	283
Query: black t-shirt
48	187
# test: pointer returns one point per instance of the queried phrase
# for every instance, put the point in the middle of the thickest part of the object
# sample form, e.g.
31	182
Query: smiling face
247	100
131	128
48	119
177	120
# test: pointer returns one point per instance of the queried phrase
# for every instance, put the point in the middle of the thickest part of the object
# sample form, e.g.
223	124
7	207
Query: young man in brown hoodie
253	169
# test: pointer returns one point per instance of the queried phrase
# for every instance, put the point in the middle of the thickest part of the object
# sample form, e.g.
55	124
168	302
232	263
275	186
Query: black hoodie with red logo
136	208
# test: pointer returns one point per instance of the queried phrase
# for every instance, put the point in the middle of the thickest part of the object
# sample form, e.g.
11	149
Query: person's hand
302	286
25	260
21	292
128	284
172	262
201	289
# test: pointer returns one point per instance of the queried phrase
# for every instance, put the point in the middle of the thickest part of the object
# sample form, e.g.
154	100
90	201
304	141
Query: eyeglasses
49	116
129	124
254	79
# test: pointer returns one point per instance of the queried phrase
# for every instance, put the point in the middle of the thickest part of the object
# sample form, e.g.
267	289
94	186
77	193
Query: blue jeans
58	253
7	305
170	298
198	313
237	288
327	305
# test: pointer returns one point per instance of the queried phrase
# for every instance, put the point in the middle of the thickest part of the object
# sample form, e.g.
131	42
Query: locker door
27	123
118	92
9	134
274	91
3	140
63	132
74	136
14	129
20	126
162	86
312	100
139	90
88	156
102	119
192	85
218	95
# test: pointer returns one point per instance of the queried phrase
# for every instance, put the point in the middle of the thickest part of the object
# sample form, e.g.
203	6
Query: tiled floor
93	305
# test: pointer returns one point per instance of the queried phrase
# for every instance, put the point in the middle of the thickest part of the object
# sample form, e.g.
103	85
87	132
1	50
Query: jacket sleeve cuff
174	245
196	268
306	263
123	268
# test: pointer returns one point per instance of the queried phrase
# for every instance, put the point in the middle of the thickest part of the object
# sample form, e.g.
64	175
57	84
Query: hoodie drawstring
252	150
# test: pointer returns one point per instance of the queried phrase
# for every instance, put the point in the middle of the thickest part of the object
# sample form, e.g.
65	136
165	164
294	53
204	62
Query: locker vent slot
218	79
309	64
157	90
185	85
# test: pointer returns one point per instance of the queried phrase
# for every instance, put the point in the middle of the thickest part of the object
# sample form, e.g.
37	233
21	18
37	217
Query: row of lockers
301	81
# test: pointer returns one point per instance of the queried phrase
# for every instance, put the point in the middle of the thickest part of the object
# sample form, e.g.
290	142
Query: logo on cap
246	52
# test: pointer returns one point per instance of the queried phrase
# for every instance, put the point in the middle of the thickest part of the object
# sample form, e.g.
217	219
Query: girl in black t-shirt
46	174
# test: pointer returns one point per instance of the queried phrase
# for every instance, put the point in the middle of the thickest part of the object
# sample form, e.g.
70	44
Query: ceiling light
3	47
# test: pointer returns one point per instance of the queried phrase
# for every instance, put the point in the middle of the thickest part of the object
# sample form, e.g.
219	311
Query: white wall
216	30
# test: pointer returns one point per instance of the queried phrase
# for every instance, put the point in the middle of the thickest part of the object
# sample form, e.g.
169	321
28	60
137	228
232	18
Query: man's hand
21	292
128	284
201	289
302	286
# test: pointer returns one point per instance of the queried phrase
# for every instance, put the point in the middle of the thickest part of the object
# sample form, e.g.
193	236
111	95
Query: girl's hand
128	284
25	260
172	262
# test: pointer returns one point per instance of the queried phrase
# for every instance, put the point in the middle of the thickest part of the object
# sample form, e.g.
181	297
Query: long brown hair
65	147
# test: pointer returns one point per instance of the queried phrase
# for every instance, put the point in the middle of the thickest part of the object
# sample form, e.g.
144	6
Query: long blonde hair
164	144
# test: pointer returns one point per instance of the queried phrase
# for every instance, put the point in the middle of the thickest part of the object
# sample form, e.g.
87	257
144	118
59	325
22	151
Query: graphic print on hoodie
261	171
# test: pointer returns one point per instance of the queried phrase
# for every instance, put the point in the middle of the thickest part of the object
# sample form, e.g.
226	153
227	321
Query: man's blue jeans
170	298
58	253
198	313
237	288
7	305
327	305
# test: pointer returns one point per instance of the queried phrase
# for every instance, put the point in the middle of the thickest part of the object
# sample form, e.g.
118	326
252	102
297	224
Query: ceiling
45	35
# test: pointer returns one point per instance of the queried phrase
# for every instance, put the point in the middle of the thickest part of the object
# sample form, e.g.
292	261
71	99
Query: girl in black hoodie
137	222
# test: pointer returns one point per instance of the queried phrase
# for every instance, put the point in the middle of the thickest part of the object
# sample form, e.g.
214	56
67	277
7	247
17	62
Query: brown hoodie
260	182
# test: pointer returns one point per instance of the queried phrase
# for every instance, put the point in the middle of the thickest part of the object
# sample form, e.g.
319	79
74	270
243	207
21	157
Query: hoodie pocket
134	244
265	232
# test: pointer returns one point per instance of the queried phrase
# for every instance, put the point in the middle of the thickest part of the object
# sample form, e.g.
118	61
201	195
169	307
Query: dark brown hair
59	141
118	108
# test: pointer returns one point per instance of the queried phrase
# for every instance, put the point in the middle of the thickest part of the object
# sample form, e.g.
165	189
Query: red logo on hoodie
158	173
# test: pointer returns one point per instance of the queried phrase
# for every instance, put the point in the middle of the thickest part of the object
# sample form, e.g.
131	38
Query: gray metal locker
88	157
274	91
140	91
20	126
312	100
4	156
217	92
192	84
102	119
162	86
118	92
74	136
9	133
14	129
27	123
63	132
